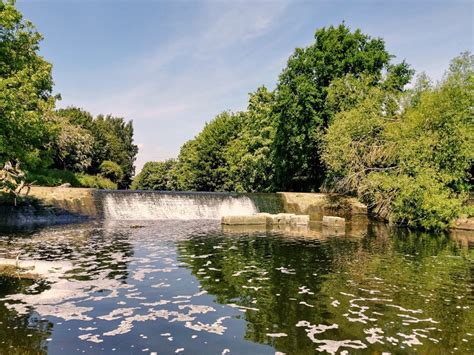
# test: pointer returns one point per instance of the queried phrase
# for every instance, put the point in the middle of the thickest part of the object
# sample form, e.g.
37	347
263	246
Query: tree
73	147
25	89
301	110
111	171
407	155
202	163
249	155
155	176
112	141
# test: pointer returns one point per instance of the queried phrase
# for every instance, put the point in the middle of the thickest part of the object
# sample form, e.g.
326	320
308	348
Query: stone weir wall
51	205
63	204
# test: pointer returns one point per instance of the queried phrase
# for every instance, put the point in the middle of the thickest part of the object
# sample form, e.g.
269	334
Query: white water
149	206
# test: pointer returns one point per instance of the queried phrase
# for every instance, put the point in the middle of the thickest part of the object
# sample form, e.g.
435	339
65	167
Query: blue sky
170	66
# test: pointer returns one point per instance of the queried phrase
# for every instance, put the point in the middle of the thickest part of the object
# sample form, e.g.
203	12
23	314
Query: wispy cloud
186	81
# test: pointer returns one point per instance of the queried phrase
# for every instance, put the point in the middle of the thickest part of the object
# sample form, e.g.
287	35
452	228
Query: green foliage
52	177
73	147
408	155
155	176
56	177
25	89
249	155
301	110
95	181
112	140
202	163
111	171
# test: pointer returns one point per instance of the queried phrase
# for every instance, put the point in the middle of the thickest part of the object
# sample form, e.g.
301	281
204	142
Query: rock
333	221
282	218
65	185
245	220
267	219
464	224
299	220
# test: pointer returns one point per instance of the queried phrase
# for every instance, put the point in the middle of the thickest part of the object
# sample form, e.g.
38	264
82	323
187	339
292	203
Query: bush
52	177
96	181
55	177
111	170
408	156
154	176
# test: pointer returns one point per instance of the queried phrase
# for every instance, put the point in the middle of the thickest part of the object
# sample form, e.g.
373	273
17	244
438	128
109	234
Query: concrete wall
88	202
78	201
316	205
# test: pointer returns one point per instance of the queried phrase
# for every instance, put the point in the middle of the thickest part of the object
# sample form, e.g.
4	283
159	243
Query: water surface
191	287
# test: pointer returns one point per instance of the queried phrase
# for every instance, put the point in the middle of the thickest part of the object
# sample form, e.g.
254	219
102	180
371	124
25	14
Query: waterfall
149	205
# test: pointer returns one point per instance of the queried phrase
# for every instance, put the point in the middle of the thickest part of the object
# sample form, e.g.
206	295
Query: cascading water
170	205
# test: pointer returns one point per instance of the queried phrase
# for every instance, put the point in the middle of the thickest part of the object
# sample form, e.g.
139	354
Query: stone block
255	219
299	220
333	221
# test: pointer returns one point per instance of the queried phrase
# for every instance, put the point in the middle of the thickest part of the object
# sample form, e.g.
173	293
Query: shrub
96	181
111	170
52	177
55	177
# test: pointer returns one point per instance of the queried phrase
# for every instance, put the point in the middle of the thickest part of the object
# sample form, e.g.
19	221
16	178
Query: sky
170	66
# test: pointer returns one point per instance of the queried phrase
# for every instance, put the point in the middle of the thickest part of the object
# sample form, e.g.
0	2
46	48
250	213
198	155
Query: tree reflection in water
387	288
367	289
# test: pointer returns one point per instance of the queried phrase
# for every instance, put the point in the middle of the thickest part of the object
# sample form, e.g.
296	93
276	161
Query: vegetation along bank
344	117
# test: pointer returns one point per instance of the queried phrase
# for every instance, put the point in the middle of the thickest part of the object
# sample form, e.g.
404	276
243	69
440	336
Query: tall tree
302	114
113	141
249	155
155	176
202	163
25	89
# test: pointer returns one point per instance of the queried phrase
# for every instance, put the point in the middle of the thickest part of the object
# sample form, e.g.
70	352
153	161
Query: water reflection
33	330
391	290
182	286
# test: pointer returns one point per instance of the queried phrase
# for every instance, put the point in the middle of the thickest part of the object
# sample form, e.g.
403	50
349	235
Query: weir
156	205
65	204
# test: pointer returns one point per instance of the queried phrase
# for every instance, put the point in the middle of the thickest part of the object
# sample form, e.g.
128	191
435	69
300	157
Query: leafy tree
301	110
155	176
407	155
249	155
25	89
202	163
111	170
73	147
77	116
112	141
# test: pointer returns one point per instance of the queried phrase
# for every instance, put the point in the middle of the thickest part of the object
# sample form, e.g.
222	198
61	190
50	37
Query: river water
167	287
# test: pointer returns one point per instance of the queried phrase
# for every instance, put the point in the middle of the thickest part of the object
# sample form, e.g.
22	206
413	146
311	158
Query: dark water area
191	287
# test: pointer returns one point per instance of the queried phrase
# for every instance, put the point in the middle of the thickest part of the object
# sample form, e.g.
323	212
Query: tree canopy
41	138
25	89
301	110
407	155
342	119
